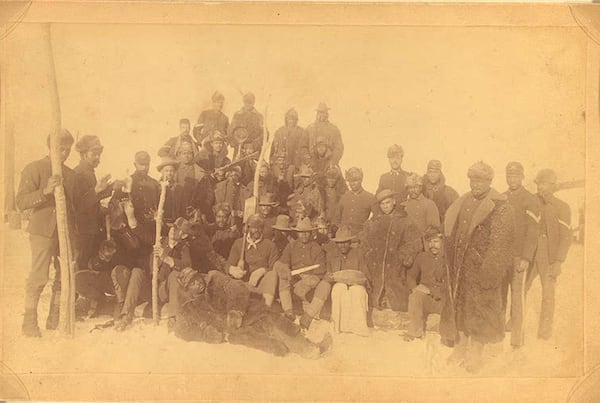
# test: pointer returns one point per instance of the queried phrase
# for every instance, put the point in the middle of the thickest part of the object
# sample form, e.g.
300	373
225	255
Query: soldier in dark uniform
174	198
527	215
232	192
206	187
322	127
217	149
249	119
356	205
36	192
223	232
171	147
289	139
395	179
267	206
436	189
554	241
212	119
89	220
248	166
145	192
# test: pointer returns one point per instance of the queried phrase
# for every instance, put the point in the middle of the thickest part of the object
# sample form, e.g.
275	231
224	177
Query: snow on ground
145	348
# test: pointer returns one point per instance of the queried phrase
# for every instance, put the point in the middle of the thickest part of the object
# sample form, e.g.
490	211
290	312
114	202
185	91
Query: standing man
527	216
553	244
301	253
256	267
174	198
322	127
171	147
89	221
356	205
212	119
395	179
36	192
232	192
480	229
289	139
309	194
435	188
250	119
391	242
423	211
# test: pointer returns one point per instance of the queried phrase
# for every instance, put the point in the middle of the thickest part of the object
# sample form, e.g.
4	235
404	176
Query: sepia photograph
299	202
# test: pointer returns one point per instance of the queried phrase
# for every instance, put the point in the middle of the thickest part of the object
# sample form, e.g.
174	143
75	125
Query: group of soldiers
315	245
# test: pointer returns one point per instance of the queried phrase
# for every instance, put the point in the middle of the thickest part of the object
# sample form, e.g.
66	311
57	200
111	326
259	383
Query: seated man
105	276
310	288
349	299
216	308
426	281
223	232
174	256
252	258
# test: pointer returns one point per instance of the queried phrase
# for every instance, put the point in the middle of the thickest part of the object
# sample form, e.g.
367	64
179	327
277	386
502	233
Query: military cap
432	232
514	168
323	107
480	170
142	158
354	174
256	221
65	138
217	96
384	195
184	120
88	143
249	98
414	179
434	165
395	151
167	161
546	176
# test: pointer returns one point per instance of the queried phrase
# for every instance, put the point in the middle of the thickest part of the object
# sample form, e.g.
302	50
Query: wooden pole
67	301
155	259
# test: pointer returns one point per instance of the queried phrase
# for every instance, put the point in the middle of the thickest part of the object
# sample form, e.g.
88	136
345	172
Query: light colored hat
343	234
546	175
414	179
385	194
434	165
305	172
514	168
304	225
88	143
282	223
166	161
323	107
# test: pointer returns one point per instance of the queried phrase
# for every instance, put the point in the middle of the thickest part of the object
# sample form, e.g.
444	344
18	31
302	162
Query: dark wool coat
478	266
389	240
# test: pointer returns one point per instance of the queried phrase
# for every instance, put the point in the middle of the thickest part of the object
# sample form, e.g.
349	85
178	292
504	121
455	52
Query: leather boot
30	324
54	312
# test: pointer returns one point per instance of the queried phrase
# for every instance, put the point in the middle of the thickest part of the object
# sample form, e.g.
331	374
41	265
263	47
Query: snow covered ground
148	349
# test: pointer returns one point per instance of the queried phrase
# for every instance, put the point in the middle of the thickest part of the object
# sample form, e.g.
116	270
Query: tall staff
67	274
155	258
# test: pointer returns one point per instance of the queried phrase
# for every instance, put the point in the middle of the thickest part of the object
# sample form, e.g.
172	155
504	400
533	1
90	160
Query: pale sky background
456	94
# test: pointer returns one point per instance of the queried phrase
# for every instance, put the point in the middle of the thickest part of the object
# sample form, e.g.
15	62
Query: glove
555	269
256	275
234	320
236	272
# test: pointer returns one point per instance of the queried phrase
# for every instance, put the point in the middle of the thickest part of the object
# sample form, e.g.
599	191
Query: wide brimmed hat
343	235
282	223
385	194
167	161
305	172
268	199
304	225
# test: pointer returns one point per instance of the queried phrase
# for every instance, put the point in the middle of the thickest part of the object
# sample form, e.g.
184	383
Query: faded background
449	93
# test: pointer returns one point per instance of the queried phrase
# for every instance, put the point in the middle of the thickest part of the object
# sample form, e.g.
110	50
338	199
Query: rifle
237	162
155	259
305	269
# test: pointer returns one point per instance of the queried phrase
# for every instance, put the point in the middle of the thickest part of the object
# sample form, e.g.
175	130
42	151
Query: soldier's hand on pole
53	182
523	265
